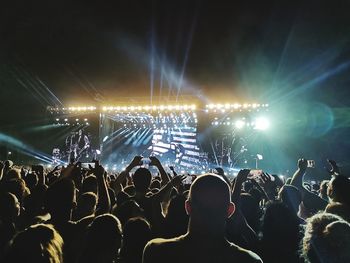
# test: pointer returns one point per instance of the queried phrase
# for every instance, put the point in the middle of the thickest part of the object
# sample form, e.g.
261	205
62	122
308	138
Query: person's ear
231	209
188	207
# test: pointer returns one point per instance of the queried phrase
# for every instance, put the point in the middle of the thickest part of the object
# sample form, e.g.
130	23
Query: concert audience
74	214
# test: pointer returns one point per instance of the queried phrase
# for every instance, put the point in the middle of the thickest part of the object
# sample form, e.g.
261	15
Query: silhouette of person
209	205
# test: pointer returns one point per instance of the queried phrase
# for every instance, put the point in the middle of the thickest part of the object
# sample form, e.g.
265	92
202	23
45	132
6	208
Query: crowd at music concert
86	214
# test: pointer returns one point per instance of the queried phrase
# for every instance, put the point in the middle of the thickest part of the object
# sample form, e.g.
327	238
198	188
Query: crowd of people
74	214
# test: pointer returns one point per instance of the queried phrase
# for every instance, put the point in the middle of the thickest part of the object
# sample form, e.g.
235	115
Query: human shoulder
160	249
244	255
162	242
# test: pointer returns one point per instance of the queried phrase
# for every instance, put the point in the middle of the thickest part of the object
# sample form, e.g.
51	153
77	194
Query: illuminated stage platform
191	136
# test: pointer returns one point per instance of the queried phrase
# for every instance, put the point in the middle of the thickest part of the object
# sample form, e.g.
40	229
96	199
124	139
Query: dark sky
103	51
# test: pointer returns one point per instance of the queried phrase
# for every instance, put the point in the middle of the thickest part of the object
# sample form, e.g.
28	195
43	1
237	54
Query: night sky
287	53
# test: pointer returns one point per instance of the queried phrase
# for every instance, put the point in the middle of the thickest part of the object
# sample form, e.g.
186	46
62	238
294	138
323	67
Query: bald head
210	195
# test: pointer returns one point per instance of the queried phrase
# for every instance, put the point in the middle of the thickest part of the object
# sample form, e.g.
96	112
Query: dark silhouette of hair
59	199
86	205
12	174
103	240
39	243
136	234
280	233
89	184
176	220
128	210
31	180
15	186
142	179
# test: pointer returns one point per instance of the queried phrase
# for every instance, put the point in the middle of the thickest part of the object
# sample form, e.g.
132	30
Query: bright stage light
239	124
262	124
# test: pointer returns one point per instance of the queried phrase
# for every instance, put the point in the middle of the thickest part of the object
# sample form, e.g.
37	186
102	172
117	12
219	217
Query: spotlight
85	119
66	120
239	124
57	119
262	124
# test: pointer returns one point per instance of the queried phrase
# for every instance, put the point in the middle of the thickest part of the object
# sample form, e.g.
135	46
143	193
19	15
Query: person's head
209	203
339	209
103	240
338	189
280	227
86	204
31	180
60	199
290	196
12	174
326	239
176	217
136	234
80	132
127	210
15	186
9	207
89	184
142	179
39	243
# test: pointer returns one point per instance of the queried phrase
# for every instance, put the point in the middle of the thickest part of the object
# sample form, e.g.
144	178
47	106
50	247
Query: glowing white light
239	124
262	124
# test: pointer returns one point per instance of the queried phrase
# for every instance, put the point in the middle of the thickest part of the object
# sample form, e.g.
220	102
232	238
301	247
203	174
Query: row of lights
67	122
235	106
259	124
85	108
219	106
149	108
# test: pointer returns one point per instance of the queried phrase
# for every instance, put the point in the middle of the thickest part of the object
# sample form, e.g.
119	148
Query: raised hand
154	161
334	167
136	161
242	175
302	164
99	170
177	180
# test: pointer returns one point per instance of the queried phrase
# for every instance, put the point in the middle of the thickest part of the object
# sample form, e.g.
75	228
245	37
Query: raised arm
104	202
136	161
163	175
310	200
236	192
